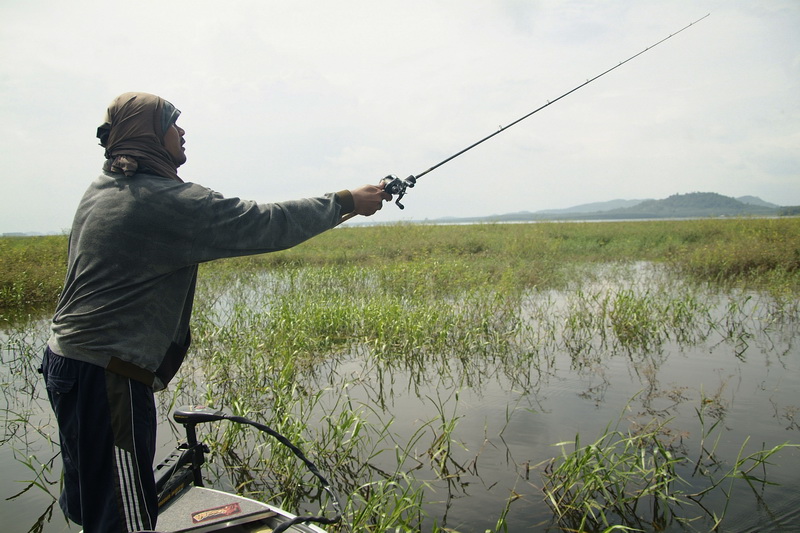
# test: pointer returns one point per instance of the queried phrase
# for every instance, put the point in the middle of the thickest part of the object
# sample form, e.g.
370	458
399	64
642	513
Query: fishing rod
396	186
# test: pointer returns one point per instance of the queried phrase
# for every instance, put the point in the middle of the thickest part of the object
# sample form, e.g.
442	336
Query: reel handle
395	186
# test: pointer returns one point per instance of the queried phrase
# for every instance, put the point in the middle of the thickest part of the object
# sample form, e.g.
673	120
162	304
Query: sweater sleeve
345	201
227	227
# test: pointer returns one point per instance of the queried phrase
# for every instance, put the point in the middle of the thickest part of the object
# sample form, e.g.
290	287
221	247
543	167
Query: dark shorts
107	428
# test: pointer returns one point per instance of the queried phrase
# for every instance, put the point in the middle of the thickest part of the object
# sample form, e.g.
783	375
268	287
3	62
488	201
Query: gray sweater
133	253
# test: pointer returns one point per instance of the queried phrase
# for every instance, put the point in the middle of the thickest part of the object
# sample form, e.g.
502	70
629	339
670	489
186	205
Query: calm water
741	362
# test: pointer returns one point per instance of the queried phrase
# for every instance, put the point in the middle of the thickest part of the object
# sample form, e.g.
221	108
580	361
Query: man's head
140	135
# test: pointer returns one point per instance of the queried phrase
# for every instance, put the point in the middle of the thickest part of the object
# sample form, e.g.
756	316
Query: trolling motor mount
394	185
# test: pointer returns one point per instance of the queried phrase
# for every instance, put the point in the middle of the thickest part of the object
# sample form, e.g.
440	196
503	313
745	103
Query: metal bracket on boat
190	416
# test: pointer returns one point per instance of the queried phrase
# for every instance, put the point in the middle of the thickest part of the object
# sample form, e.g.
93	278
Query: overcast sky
289	99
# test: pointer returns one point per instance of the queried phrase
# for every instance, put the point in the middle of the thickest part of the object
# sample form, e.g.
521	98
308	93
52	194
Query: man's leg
61	379
107	428
133	421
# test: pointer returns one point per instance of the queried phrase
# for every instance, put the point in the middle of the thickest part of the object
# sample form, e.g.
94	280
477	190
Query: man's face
173	142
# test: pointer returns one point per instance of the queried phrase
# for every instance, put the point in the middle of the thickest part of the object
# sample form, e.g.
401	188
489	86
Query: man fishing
121	326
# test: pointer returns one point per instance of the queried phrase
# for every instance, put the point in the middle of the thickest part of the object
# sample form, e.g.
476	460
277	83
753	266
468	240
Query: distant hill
691	205
696	204
593	207
755	200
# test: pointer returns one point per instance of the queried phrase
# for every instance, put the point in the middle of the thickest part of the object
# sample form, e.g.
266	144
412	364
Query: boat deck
201	510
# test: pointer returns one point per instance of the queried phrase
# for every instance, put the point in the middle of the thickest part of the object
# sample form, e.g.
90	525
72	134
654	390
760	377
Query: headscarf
133	135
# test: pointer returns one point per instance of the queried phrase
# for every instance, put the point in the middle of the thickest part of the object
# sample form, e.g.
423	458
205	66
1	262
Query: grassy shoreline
758	253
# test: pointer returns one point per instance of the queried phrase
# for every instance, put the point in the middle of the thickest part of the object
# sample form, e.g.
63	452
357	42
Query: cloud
282	100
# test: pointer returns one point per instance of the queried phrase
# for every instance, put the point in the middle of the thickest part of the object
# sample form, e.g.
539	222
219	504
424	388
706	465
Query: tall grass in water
32	271
763	252
25	431
271	356
277	344
443	307
636	480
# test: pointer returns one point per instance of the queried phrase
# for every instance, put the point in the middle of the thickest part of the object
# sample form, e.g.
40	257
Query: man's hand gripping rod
395	186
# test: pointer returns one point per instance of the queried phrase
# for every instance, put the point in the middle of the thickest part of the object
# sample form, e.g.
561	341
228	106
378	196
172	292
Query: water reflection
463	416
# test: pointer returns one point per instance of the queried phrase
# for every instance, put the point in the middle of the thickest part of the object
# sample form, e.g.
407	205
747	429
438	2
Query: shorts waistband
129	370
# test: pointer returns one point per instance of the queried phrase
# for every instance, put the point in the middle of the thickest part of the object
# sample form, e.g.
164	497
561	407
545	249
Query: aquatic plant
638	479
325	341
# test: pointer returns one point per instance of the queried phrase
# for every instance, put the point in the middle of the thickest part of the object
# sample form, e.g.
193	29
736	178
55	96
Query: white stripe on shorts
126	473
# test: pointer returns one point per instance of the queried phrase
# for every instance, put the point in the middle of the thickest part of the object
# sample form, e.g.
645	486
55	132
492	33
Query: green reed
32	271
761	252
765	252
636	479
269	343
621	477
448	308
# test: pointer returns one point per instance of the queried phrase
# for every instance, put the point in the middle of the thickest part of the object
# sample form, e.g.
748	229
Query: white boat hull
204	510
